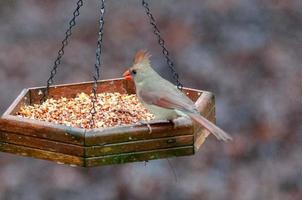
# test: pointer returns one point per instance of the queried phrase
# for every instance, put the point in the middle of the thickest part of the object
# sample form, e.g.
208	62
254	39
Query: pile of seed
113	109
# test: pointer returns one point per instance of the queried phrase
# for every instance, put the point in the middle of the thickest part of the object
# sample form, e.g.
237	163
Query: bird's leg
147	124
172	122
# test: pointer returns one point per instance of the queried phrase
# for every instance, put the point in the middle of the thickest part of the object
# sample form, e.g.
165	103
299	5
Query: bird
162	98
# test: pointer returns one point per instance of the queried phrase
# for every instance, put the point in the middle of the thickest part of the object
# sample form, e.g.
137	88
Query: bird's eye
134	71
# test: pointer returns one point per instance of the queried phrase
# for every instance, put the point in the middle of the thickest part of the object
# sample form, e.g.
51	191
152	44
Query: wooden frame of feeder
88	148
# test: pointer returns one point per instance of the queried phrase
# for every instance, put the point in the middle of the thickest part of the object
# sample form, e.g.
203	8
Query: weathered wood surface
82	151
43	144
129	86
192	93
96	161
44	130
41	154
138	132
137	146
71	90
22	99
139	156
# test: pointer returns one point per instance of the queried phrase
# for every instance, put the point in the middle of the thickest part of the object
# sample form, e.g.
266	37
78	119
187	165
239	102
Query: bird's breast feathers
162	113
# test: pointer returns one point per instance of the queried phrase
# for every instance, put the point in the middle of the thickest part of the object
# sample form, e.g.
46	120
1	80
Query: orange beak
127	76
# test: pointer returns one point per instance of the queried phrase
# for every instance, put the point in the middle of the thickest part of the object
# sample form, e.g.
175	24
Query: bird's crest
142	56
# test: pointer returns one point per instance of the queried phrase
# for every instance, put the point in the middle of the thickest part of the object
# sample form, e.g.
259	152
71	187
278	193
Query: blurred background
248	52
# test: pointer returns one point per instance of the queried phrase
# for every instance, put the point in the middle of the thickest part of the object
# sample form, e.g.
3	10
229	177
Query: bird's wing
171	99
175	100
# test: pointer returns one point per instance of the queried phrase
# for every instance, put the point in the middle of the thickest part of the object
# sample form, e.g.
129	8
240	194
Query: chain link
162	44
61	52
97	66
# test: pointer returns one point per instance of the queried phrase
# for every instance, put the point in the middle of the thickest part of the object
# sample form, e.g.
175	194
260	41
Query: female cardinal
162	98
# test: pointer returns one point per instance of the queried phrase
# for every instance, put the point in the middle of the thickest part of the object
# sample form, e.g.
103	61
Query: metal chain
97	66
162	44
57	62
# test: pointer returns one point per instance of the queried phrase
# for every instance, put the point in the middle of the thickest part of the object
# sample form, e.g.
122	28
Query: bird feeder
103	146
95	147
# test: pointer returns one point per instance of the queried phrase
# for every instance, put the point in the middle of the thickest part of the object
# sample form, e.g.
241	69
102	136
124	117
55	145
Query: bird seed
113	109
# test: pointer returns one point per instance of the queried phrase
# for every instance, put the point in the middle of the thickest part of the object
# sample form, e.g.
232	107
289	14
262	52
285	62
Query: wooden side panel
206	106
70	90
41	154
74	150
112	85
44	130
134	133
139	156
192	93
141	145
42	144
129	86
96	161
23	98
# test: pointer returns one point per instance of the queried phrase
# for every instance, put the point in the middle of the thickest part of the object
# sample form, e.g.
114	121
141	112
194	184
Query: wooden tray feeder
88	148
95	147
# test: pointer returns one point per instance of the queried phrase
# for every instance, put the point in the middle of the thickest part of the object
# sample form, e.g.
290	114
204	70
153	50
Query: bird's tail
218	132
